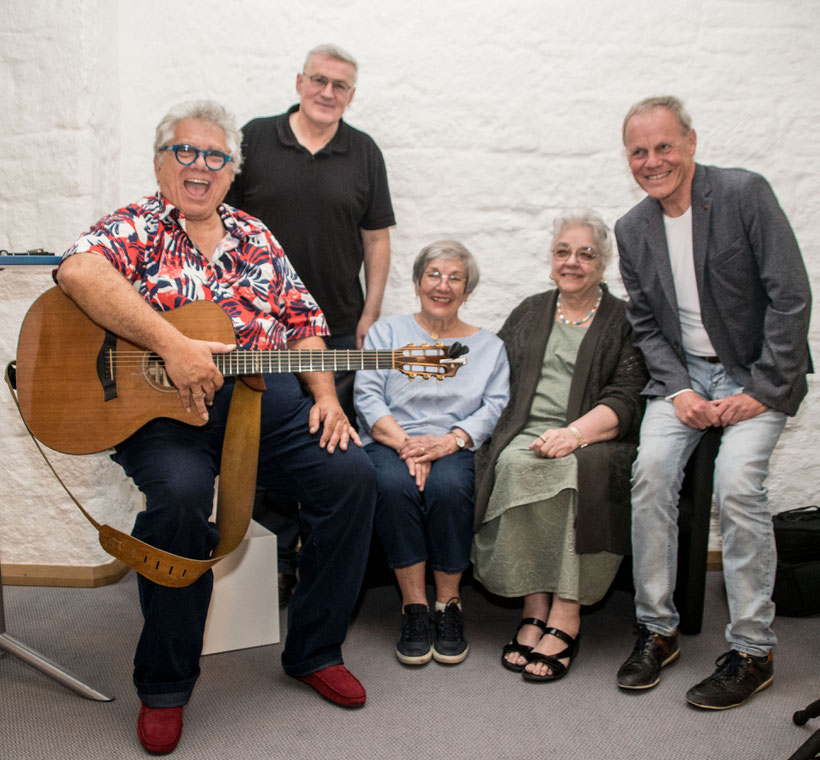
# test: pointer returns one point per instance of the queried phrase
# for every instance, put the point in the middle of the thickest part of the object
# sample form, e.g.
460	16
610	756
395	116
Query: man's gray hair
669	102
593	221
448	250
208	111
333	51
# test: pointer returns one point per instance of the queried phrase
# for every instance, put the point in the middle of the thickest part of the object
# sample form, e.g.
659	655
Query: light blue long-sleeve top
471	400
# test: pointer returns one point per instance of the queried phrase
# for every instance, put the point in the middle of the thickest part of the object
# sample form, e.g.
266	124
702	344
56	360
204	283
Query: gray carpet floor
245	707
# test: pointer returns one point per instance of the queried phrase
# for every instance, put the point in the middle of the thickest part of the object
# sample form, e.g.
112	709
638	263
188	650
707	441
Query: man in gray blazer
719	301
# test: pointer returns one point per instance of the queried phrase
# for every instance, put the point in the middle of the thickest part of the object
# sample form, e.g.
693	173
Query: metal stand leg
9	644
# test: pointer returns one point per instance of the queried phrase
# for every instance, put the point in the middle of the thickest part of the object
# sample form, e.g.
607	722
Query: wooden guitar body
61	394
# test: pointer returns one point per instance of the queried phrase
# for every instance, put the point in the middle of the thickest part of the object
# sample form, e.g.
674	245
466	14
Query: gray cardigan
609	370
753	288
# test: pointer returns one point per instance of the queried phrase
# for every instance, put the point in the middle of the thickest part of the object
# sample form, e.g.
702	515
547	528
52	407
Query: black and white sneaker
449	645
413	646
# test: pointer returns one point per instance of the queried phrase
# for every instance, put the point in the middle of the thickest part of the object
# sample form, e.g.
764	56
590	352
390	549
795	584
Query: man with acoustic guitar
166	250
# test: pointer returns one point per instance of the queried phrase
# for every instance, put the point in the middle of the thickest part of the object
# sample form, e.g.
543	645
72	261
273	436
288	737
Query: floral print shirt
249	275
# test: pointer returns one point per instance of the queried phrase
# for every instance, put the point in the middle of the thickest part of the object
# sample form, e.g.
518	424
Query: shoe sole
668	661
450	659
420	659
764	685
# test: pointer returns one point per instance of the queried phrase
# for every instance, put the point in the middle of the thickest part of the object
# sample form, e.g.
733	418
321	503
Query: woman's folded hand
554	443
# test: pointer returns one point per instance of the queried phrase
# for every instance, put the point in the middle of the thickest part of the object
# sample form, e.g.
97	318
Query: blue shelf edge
29	260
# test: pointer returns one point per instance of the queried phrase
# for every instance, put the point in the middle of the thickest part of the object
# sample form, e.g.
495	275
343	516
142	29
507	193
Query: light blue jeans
742	464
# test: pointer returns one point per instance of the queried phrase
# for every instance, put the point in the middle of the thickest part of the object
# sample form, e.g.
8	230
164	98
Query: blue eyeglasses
188	154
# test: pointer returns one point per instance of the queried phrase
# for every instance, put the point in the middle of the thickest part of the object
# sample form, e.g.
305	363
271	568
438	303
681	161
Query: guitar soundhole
153	369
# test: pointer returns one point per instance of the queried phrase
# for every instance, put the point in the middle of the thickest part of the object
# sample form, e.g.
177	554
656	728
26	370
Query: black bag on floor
797	583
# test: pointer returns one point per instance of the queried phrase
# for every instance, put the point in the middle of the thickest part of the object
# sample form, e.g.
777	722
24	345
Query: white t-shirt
682	258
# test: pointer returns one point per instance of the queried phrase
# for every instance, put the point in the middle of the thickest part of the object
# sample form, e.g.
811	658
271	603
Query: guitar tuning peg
457	349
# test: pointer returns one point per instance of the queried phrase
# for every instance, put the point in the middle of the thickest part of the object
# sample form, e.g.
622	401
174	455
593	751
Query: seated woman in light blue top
421	436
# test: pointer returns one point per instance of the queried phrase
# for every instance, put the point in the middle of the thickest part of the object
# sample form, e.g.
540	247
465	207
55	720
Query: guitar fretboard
311	360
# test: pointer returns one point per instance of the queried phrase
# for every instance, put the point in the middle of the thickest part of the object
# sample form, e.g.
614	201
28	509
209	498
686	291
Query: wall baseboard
77	576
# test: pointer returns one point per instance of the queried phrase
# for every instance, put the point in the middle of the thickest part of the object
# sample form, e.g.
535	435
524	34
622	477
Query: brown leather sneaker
737	678
642	669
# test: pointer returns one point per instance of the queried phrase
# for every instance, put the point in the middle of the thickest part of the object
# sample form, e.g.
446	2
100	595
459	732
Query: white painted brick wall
492	117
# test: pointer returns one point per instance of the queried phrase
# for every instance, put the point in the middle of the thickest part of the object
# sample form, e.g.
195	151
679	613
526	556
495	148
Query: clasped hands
698	413
420	451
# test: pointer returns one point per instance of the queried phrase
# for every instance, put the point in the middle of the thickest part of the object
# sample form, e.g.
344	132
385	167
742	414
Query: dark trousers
434	525
275	511
175	464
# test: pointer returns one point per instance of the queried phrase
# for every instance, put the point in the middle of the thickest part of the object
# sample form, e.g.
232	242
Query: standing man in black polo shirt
321	187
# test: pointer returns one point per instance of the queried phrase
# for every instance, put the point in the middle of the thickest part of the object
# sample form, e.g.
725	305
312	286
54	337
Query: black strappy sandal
519	648
553	661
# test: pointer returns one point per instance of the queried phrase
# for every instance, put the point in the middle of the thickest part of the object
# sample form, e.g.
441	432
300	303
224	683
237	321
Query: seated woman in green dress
552	484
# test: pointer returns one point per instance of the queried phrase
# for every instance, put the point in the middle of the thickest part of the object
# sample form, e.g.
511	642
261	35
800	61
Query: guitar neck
255	362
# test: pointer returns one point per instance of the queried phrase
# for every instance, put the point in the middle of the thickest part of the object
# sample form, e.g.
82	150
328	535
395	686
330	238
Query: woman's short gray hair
449	250
208	111
586	217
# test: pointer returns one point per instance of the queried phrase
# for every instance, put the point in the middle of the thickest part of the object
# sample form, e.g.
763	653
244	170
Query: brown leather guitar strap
237	485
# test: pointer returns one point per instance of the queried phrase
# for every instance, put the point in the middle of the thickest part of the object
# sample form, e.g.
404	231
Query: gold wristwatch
460	442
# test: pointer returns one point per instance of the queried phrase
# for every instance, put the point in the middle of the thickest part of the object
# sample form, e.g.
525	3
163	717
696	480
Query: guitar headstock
426	361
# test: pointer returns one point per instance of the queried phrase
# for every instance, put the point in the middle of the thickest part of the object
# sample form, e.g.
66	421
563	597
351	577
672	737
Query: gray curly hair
208	111
586	217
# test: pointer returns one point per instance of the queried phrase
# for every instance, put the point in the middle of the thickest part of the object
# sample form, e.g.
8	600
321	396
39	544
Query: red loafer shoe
337	684
159	729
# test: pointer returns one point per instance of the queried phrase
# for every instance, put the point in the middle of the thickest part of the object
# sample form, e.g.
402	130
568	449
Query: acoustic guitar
83	389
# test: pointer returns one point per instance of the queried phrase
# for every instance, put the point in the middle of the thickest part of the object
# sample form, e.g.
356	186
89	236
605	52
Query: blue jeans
434	524
741	467
175	464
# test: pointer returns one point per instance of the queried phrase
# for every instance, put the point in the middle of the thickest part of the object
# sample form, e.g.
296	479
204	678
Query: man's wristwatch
460	442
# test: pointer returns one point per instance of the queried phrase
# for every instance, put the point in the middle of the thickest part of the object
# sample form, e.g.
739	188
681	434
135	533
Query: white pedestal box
244	609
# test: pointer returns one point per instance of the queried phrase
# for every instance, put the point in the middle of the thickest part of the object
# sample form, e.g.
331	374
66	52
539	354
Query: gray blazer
754	291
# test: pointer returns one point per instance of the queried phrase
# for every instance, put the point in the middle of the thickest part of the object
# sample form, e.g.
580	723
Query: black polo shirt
316	206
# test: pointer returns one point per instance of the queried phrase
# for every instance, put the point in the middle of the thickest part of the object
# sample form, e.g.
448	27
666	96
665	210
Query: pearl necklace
564	320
